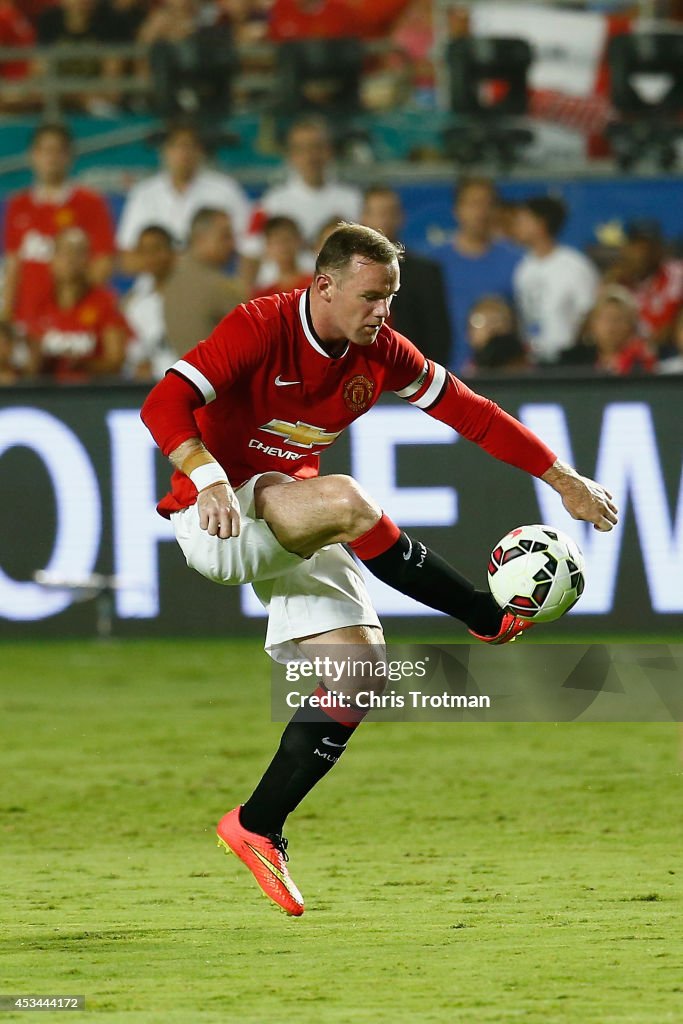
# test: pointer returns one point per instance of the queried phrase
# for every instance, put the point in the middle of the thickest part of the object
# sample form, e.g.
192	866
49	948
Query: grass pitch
455	872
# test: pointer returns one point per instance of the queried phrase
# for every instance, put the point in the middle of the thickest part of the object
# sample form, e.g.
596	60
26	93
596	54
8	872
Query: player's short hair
203	220
161	232
549	209
351	240
58	128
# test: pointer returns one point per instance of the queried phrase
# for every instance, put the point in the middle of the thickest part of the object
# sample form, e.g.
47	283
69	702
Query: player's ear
324	285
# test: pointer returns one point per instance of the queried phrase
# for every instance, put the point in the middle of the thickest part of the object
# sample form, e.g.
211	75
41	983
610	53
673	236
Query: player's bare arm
583	498
217	506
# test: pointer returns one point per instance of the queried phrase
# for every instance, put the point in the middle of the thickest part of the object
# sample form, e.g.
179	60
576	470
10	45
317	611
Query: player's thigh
254	555
306	515
351	659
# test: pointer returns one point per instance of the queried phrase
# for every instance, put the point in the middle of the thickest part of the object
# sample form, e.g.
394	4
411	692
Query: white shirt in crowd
553	294
155	201
143	308
311	208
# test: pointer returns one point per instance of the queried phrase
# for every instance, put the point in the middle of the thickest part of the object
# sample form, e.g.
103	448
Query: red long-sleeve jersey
263	394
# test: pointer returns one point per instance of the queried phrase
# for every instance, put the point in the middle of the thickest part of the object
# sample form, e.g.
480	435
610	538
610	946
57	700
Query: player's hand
586	499
219	511
583	498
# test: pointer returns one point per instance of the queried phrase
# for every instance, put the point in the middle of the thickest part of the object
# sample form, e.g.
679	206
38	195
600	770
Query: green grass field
452	872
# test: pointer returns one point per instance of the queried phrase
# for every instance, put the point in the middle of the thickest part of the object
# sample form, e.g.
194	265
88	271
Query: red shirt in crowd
71	339
263	394
635	357
15	30
330	19
659	297
31	226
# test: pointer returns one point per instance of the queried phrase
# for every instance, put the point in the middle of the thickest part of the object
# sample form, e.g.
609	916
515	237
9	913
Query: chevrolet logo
303	435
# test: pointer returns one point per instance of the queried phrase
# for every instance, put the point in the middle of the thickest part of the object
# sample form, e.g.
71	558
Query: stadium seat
488	93
646	89
319	76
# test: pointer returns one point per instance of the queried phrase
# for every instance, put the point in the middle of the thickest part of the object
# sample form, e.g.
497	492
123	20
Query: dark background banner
79	476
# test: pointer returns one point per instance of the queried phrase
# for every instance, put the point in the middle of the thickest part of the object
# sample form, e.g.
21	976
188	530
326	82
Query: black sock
416	571
307	751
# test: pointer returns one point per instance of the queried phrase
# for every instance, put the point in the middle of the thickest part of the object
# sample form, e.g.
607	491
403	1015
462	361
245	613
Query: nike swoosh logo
408	553
329	743
267	864
285	383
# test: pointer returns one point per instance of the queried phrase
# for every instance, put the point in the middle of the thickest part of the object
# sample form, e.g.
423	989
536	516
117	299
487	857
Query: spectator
419	310
284	252
81	22
413	35
36	215
332	19
474	264
655	282
610	341
248	19
311	195
9	374
191	58
172	197
78	333
284	246
310	19
149	356
555	285
32	9
125	19
15	31
672	357
198	293
494	339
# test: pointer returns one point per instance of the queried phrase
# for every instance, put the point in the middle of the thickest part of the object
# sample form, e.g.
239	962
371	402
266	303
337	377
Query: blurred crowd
205	35
86	299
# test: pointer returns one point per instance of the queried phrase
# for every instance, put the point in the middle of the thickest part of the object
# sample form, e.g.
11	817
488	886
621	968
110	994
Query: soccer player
244	418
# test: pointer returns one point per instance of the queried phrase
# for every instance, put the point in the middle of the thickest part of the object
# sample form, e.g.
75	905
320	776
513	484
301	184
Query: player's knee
356	511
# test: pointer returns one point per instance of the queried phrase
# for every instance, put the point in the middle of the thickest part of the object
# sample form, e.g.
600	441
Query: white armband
207	475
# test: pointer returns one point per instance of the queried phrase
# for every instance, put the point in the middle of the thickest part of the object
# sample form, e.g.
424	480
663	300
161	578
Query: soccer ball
537	572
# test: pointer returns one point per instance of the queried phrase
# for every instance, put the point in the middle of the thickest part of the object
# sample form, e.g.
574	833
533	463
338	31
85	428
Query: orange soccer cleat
266	858
510	628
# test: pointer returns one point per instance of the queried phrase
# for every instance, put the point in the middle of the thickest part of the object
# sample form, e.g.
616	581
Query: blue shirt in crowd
469	278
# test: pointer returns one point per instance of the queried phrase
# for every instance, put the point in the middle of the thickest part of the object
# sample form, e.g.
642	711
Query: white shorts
303	596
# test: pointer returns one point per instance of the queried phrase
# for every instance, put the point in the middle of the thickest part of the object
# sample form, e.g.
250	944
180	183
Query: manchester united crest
358	393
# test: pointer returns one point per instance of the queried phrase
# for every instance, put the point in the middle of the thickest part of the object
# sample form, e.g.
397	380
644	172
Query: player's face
360	299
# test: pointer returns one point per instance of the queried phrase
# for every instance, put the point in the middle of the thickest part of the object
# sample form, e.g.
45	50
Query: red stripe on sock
350	717
382	536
